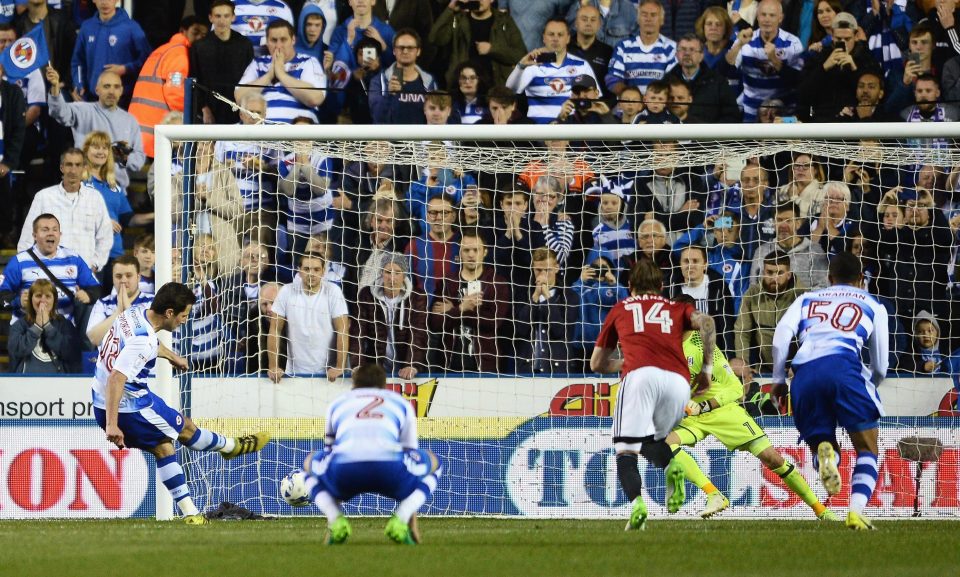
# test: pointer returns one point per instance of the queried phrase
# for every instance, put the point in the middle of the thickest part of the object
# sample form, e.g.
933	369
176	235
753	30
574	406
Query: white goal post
724	141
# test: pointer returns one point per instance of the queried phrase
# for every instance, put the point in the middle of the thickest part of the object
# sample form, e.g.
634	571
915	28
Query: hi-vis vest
159	89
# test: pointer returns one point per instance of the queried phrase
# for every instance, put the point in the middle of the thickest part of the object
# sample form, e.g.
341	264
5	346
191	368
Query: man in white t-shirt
316	312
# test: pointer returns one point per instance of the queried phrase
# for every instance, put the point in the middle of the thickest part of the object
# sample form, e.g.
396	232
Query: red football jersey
650	330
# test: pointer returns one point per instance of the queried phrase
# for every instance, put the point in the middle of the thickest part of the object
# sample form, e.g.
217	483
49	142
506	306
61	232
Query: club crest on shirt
112	40
255	23
557	85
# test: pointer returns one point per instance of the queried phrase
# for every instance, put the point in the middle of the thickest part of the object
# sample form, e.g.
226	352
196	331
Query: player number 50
837	320
655	316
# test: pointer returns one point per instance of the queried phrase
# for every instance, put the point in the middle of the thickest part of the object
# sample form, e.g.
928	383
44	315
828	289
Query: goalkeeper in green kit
718	413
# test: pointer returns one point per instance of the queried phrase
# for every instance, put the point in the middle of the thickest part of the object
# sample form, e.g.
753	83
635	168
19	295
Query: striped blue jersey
255	186
281	105
471	112
131	348
548	86
618	241
207	335
310	209
66	265
370	425
760	79
837	320
252	17
637	64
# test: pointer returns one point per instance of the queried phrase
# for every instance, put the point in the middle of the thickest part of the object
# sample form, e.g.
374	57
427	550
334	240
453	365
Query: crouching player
133	416
371	447
718	412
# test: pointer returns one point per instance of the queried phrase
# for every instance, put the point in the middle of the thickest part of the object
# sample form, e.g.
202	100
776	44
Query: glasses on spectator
835	199
549	195
802	165
405	48
469	78
436	213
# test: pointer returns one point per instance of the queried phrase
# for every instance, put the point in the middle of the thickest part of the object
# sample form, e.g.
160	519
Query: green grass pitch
465	547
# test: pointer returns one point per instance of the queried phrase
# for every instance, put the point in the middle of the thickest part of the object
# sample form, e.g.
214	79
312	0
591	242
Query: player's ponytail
646	277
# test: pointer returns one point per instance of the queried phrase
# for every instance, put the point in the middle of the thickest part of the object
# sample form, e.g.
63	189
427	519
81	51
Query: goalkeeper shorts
730	424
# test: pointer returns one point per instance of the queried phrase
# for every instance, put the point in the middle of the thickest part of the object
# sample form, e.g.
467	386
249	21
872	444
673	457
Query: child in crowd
925	356
143	251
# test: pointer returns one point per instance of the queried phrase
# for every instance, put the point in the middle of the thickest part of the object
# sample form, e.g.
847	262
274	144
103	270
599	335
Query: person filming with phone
584	105
830	78
546	75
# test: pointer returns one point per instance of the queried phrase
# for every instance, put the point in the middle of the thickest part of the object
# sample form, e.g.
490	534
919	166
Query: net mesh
436	252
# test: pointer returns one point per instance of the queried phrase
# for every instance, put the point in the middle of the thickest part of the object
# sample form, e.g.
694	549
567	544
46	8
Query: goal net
476	265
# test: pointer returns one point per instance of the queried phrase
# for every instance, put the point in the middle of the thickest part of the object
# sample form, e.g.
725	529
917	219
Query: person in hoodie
598	291
391	327
398	93
614	231
707	288
720	233
108	42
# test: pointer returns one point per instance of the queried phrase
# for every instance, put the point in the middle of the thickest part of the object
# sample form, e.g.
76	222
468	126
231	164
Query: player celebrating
654	388
371	447
831	384
133	416
718	413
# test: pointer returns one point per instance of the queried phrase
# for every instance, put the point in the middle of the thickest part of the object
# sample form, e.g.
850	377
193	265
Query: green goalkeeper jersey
725	386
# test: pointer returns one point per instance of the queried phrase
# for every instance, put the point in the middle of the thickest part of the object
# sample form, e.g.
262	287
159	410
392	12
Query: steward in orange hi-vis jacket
159	89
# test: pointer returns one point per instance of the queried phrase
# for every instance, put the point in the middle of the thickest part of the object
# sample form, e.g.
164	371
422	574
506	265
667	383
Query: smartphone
915	58
840	48
471	5
546	57
723	222
474	287
368	53
788	119
398	74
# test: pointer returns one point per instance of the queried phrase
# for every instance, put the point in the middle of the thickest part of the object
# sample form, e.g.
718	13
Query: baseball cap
584	82
845	20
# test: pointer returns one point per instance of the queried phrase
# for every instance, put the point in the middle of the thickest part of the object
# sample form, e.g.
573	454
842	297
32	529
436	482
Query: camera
471	5
723	222
601	271
121	150
582	104
546	57
368	53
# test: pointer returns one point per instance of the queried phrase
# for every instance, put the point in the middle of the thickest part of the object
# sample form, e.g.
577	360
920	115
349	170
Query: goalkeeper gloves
693	408
779	393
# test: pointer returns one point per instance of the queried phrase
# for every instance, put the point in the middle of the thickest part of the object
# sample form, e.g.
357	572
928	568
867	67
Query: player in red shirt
655	379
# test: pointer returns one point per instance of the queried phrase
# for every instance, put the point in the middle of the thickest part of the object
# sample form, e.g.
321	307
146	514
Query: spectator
669	196
294	84
398	93
764	303
33	91
355	93
545	321
591	41
74	281
143	251
925	355
919	61
254	17
720	234
415	14
769	60
549	226
218	61
317	317
641	60
869	95
391	327
808	262
715	29
512	252
805	187
713	101
502	108
820	31
916	257
43	341
58	30
108	42
363	24
584	106
433	255
613	234
756	213
436	180
598	291
830	78
105	115
126	293
743	13
159	89
470	310
532	17
928	108
655	101
629	105
469	94
652	242
311	25
680	99
362	179
610	21
210	336
254	330
831	229
709	291
488	39
547	81
13	110
771	111
255	271
361	249
723	186
99	173
305	185
81	210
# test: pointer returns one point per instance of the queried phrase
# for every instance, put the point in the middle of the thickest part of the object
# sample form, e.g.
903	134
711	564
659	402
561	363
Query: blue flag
26	54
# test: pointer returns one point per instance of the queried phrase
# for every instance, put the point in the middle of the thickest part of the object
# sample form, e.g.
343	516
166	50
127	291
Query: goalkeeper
718	413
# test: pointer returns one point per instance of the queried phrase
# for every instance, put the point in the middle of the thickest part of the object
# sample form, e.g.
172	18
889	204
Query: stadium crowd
424	268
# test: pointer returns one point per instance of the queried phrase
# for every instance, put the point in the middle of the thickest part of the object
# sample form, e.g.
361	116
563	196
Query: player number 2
655	316
368	412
